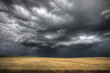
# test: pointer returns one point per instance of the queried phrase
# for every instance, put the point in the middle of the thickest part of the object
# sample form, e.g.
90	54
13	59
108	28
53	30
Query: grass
54	65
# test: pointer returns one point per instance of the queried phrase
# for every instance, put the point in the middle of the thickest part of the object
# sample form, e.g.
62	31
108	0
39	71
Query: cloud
101	49
34	18
63	4
49	23
82	39
106	14
48	17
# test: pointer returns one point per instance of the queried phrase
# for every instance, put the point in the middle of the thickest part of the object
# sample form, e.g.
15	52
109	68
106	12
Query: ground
34	64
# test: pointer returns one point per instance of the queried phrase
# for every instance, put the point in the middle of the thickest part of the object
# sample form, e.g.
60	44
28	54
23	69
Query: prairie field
54	65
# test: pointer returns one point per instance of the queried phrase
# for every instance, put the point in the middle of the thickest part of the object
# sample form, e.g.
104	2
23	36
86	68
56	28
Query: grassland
54	65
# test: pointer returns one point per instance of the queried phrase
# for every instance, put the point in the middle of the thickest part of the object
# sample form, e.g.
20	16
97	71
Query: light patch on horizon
48	36
82	39
53	36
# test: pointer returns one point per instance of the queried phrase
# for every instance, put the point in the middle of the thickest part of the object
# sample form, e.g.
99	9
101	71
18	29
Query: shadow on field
54	71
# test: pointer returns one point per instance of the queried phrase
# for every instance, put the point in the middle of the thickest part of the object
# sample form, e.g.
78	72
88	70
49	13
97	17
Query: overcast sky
55	28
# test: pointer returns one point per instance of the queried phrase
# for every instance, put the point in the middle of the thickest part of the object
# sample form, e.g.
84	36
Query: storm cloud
55	28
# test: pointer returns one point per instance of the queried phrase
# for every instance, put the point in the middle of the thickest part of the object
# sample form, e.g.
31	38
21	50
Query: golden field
54	65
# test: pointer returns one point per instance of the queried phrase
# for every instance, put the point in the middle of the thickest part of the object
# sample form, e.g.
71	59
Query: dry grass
54	65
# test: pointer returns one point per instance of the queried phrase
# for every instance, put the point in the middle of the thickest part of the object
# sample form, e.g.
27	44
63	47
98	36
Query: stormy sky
55	28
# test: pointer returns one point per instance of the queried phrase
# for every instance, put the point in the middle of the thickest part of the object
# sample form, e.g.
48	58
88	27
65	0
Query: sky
55	28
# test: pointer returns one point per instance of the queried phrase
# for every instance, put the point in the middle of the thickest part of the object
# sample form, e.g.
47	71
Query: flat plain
54	65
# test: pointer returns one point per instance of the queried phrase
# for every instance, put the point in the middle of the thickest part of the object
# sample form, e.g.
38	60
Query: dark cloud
55	28
101	49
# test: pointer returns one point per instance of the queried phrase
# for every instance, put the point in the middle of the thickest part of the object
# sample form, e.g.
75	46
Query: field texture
54	65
